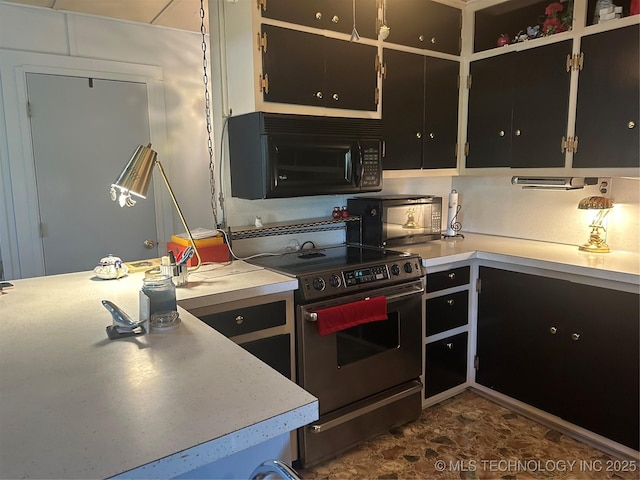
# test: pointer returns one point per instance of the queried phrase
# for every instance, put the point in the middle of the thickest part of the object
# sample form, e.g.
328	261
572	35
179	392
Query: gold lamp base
595	245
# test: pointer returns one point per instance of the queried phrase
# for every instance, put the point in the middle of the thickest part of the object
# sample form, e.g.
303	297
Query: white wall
177	53
492	205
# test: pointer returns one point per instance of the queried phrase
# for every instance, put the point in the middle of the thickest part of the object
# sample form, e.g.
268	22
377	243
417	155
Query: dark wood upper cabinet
607	112
518	108
334	15
424	24
307	69
419	111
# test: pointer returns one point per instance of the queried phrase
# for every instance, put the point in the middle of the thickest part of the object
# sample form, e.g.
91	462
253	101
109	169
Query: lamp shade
136	175
595	203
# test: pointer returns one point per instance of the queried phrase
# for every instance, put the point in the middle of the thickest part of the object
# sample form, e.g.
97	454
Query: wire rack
294	227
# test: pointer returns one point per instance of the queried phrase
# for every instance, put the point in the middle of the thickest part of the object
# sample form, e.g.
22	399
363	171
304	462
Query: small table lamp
601	206
134	180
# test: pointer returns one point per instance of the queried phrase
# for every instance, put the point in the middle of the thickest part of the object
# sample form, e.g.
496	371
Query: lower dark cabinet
274	351
445	364
567	348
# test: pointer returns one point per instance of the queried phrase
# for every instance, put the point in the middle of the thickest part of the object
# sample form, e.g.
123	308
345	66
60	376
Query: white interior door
83	132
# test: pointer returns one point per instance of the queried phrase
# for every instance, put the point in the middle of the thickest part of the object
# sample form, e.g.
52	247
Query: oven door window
367	340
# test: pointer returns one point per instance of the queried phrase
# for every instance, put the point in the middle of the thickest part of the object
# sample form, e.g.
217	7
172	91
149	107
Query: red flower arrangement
558	18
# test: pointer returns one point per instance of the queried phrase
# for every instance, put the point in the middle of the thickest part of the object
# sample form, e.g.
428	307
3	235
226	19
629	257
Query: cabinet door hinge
262	42
377	95
381	68
466	149
42	229
263	4
478	285
264	83
469	79
575	62
570	144
28	109
476	362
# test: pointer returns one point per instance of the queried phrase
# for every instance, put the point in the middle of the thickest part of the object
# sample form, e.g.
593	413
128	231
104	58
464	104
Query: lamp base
595	247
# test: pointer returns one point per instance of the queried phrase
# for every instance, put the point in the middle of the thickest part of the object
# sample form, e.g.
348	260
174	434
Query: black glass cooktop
339	257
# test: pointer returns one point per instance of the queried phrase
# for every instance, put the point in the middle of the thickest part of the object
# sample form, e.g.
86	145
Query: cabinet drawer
274	351
447	312
447	279
246	320
446	364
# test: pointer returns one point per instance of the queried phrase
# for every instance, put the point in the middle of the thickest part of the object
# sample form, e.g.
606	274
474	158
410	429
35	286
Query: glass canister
159	293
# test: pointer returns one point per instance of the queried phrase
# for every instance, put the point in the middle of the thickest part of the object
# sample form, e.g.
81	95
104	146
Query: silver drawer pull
450	346
452	275
239	320
312	317
450	302
575	336
553	330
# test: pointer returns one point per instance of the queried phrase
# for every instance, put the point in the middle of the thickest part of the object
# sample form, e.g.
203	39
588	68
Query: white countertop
74	404
616	266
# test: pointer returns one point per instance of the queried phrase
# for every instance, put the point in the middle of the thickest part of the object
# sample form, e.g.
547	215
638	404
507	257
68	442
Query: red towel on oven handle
334	319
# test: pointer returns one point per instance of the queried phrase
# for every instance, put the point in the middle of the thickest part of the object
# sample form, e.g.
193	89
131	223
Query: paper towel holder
453	223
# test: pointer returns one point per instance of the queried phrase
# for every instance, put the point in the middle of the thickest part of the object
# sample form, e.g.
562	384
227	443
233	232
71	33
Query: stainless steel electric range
364	371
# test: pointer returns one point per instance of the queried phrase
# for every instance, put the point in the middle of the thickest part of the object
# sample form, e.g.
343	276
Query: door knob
318	16
148	243
553	330
631	124
575	336
318	94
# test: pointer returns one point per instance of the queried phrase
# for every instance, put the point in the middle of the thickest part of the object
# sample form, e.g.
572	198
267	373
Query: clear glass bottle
161	292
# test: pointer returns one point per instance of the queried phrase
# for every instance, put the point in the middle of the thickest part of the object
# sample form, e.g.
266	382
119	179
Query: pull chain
207	110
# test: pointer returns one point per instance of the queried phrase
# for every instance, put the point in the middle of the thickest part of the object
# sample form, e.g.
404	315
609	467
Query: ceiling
182	14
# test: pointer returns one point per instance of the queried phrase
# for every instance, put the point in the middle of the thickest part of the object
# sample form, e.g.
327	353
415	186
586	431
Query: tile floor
471	437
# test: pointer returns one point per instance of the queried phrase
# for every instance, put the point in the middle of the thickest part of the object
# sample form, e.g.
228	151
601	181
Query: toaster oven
393	220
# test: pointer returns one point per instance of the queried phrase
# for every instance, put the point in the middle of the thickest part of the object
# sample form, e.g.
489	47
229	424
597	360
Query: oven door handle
323	427
313	316
414	291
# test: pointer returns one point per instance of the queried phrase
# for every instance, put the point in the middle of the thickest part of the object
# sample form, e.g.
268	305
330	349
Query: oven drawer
445	364
447	279
239	321
447	312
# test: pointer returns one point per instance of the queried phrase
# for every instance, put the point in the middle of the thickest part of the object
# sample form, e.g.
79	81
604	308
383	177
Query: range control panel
331	283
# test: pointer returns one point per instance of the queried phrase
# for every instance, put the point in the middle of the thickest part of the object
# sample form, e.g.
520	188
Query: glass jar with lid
159	292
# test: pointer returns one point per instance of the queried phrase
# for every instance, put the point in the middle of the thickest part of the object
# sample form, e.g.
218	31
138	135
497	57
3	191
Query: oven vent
554	183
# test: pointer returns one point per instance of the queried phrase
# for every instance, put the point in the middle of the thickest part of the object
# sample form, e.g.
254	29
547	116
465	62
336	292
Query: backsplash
493	206
490	205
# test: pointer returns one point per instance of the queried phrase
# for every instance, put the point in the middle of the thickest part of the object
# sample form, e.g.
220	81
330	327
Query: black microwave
394	220
281	155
